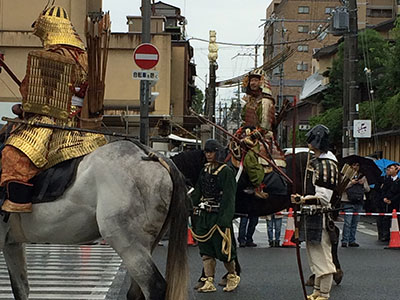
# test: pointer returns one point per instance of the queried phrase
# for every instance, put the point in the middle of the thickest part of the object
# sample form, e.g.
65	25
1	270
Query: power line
268	44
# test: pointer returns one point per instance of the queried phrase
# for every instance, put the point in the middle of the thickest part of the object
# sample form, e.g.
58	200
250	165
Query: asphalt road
370	272
95	272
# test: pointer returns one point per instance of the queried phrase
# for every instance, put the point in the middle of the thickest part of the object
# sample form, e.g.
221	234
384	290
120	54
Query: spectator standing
389	199
274	222
352	201
247	227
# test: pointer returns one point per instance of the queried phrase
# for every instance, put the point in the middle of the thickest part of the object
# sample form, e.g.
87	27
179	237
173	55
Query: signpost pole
144	84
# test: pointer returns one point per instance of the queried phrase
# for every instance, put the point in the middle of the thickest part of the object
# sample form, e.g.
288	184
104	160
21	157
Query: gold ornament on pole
213	47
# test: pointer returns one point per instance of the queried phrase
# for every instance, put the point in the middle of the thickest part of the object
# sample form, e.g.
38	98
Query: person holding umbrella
352	201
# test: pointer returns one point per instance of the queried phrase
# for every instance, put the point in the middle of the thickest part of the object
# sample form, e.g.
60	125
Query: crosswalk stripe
60	272
9	296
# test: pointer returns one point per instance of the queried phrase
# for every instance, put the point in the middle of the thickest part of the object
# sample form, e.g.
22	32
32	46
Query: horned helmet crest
53	27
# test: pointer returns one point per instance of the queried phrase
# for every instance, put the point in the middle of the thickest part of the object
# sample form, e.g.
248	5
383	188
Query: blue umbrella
383	163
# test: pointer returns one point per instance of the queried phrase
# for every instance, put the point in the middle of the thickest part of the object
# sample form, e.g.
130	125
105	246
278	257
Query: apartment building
300	22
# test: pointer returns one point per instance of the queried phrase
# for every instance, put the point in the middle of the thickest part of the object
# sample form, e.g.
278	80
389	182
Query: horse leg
135	293
144	273
338	276
14	255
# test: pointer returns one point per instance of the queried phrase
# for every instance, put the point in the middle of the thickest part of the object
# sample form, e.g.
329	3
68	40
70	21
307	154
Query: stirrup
9	206
261	194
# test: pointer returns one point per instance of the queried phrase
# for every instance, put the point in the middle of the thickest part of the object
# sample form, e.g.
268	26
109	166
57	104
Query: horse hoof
338	276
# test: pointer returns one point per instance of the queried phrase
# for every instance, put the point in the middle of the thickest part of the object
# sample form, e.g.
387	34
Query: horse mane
190	163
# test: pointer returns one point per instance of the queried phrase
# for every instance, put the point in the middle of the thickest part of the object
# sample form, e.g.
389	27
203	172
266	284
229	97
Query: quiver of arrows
98	32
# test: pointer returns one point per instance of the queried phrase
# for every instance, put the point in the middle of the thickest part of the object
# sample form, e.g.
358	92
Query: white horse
123	199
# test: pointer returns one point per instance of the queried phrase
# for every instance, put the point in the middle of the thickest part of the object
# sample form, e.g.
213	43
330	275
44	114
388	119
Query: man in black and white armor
316	226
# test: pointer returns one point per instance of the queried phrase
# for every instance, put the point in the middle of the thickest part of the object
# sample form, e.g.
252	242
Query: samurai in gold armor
53	92
257	130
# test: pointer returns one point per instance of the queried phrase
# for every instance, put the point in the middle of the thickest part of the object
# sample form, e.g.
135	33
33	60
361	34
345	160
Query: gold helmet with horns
54	27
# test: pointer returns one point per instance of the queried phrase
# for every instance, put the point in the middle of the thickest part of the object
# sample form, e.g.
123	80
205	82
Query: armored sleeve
325	179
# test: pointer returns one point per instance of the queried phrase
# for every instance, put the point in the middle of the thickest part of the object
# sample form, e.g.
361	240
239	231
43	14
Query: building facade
296	20
172	92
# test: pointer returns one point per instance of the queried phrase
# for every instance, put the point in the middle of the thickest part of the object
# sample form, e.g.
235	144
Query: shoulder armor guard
326	173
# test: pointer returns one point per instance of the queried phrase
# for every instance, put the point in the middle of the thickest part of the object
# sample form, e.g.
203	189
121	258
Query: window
289	97
302	66
303	28
302	48
304	10
379	13
328	10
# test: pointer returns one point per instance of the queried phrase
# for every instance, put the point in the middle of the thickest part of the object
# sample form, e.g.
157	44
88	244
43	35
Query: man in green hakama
214	202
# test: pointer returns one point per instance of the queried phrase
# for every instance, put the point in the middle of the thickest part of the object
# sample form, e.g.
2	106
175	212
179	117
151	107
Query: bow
296	221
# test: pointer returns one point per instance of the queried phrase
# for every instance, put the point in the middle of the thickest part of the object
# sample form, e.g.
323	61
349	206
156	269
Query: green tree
331	118
198	101
379	71
392	78
301	139
373	52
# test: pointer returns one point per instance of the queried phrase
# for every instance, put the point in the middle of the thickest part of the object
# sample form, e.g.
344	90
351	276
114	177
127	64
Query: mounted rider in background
257	131
53	92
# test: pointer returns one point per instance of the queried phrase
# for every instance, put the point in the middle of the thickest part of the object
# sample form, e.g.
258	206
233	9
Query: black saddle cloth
52	183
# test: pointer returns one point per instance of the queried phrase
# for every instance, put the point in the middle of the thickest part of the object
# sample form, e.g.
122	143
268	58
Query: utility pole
212	57
352	95
144	84
256	55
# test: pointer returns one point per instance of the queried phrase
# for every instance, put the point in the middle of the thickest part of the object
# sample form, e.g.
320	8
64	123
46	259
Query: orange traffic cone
190	240
287	242
394	233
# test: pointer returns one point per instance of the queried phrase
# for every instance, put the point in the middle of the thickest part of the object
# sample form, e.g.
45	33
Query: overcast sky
235	21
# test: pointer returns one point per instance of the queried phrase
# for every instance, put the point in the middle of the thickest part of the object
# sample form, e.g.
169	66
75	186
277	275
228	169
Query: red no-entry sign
146	56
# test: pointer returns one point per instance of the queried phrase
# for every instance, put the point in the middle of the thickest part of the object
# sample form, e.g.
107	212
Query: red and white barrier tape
348	214
366	214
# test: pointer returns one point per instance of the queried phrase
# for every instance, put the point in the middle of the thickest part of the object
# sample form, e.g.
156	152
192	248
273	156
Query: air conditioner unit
304	127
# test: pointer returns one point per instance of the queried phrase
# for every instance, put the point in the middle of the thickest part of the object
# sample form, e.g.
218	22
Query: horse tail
177	271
